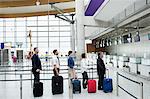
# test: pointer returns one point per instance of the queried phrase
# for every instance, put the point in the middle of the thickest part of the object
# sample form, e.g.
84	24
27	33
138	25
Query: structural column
72	37
80	27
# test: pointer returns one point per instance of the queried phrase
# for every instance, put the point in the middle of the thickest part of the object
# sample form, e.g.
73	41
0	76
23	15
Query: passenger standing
36	65
56	63
84	66
71	64
100	70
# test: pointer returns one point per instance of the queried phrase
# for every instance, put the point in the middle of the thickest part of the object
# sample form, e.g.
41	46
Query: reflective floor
9	89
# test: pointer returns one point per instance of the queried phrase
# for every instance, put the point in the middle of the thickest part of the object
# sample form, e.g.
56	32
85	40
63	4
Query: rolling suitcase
92	84
76	85
38	89
57	85
107	84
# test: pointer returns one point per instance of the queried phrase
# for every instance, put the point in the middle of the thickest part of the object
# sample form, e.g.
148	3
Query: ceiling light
37	2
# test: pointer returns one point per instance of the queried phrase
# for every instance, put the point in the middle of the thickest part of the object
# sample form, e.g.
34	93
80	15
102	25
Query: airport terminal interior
118	29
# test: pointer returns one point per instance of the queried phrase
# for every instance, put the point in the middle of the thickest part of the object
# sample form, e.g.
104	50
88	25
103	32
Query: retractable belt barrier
139	83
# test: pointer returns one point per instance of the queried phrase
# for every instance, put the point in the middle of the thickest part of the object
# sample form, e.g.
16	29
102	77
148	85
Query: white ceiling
112	8
40	8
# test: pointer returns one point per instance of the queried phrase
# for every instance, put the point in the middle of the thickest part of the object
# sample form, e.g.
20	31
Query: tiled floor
11	89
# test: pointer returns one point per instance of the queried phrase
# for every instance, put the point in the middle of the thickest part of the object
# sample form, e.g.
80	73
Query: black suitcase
38	89
57	85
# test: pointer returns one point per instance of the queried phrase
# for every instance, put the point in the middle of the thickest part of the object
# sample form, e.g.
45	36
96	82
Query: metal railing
139	83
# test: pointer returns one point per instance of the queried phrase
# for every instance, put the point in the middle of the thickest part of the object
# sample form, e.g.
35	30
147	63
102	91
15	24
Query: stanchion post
31	80
117	85
70	86
141	90
20	86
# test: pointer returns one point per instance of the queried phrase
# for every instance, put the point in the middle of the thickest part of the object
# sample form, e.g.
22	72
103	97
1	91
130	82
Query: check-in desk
144	67
133	64
115	60
123	61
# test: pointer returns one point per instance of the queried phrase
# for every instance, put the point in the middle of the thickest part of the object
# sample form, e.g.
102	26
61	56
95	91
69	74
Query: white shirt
84	65
55	61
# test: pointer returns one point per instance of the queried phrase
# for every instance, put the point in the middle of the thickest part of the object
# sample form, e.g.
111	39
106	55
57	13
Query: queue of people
36	68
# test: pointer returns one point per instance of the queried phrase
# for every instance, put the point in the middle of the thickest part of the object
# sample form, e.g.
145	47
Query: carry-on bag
38	89
91	84
57	85
76	83
107	84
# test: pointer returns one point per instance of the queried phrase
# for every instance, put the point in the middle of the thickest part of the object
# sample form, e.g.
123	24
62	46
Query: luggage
76	83
107	84
38	89
57	85
92	84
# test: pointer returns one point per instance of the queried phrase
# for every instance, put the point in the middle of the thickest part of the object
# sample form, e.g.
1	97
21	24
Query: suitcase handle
90	69
107	73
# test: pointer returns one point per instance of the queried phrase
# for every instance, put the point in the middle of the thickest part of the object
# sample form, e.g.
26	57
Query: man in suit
36	65
100	70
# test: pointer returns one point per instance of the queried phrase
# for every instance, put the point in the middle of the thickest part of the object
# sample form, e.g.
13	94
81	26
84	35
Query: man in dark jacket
36	65
100	70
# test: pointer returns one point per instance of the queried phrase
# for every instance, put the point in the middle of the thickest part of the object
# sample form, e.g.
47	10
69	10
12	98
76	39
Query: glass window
43	33
42	17
34	40
42	29
53	28
32	18
1	28
31	23
42	39
33	29
64	28
1	39
65	34
21	34
34	34
1	34
21	29
54	39
54	45
21	39
53	33
65	39
43	45
9	34
10	24
43	23
9	39
33	45
51	23
10	29
64	23
52	17
21	23
1	23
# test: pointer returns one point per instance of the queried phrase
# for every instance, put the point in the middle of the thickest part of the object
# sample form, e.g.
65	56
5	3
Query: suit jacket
100	67
36	63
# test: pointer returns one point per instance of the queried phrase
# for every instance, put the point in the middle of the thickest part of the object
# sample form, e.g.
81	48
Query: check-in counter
104	58
144	67
123	61
107	59
133	64
114	60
